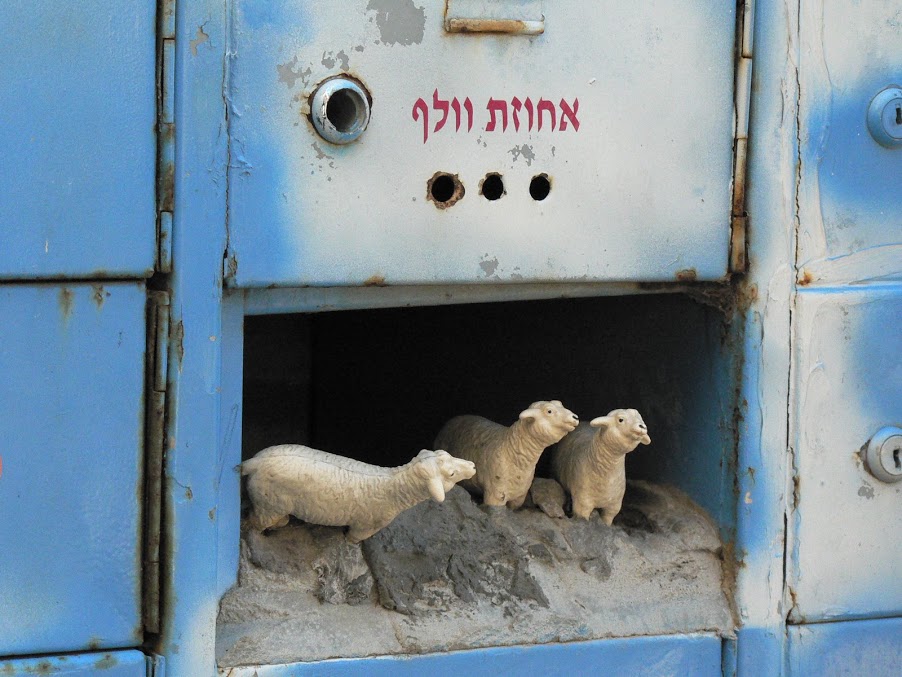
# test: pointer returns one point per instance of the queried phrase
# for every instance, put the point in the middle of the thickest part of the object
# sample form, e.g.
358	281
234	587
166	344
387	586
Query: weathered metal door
506	141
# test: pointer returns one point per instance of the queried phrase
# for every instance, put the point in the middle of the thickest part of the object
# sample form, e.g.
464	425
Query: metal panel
696	655
78	138
849	197
114	664
72	360
846	551
641	179
846	649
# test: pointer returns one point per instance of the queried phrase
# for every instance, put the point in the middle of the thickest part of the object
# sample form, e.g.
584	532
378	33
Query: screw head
884	454
885	117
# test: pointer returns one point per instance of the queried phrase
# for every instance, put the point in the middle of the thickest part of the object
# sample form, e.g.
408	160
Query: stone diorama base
453	576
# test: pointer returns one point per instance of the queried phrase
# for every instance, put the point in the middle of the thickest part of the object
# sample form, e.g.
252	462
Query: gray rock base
458	575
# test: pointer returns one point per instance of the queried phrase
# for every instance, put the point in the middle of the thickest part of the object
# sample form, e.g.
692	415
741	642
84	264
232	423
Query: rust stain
687	275
507	26
167	187
375	281
805	277
66	297
178	338
106	663
94	643
99	295
189	494
212	514
457	191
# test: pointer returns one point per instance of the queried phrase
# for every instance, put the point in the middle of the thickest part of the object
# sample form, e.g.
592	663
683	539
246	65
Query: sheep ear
601	422
436	489
645	439
529	414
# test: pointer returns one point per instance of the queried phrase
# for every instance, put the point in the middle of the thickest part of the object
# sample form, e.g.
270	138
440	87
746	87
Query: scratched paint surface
635	108
697	655
846	649
112	664
850	198
845	557
78	139
72	360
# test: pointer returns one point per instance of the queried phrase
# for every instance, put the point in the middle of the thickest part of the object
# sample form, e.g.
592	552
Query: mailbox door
77	129
846	552
71	437
624	110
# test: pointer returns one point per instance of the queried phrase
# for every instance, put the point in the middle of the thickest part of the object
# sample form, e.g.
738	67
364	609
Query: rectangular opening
377	385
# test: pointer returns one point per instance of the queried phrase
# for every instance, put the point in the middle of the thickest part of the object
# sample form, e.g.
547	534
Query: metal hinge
165	135
743	96
155	665
154	444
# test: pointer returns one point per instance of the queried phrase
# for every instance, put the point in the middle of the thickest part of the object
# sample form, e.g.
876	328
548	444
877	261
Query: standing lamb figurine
591	465
506	458
322	488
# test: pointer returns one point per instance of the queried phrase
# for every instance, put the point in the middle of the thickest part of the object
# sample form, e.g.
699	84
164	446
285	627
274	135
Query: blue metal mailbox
175	170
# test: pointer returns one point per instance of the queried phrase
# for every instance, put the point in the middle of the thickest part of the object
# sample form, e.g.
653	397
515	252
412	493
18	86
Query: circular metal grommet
340	109
885	117
884	454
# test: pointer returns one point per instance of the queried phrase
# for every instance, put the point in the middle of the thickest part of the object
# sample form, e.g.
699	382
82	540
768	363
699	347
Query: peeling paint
866	491
524	150
199	40
290	74
400	22
489	266
687	275
375	281
330	59
178	339
99	295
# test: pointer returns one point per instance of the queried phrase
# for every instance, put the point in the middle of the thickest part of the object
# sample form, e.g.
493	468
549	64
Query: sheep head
441	471
623	426
549	420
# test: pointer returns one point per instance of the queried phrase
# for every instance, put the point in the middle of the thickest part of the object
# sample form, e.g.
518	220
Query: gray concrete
457	576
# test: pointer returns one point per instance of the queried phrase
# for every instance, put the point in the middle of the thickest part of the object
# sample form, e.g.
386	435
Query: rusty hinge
743	95
156	368
165	134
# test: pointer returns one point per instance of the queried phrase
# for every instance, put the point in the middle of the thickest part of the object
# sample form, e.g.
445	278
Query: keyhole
896	460
899	115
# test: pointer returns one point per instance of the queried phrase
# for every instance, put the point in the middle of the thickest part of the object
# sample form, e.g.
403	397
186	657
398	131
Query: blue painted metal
844	562
698	655
846	649
761	475
72	359
78	135
112	664
192	475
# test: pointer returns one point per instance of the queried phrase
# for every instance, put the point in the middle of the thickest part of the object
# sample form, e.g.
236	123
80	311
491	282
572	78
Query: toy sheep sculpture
506	458
591	464
323	488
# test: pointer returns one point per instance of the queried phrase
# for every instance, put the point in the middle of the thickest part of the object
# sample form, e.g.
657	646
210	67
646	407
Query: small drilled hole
539	187
492	187
442	188
345	111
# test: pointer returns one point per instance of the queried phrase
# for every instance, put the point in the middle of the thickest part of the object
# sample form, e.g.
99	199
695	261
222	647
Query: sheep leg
582	509
516	503
494	498
263	520
609	513
357	534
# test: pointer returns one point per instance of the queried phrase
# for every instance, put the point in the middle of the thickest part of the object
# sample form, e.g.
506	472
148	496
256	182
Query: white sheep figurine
506	458
591	464
322	488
